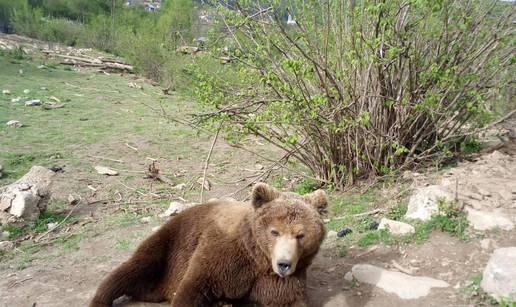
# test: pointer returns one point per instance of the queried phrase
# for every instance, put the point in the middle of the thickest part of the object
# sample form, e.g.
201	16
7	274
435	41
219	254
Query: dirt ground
119	212
70	279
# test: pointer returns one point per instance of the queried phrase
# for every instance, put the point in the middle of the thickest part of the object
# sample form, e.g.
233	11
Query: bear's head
288	227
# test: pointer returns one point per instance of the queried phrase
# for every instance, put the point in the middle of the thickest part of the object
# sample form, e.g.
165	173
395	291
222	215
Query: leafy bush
61	30
354	89
99	34
7	7
27	21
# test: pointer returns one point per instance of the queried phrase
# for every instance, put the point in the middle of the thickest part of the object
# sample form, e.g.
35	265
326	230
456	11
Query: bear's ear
263	193
318	200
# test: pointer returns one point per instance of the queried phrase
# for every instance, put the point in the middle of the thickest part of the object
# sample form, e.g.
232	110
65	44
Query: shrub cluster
355	89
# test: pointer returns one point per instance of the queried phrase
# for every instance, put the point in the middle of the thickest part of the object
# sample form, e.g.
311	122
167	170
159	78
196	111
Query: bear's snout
285	255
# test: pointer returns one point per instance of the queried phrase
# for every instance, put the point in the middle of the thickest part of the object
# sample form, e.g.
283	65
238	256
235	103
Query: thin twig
206	164
372	212
132	147
60	223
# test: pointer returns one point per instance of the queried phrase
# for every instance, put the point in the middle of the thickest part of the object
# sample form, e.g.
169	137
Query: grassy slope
100	110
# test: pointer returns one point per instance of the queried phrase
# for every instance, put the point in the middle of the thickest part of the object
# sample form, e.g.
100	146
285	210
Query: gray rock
485	220
499	277
424	202
32	103
26	198
105	171
403	285
14	124
395	227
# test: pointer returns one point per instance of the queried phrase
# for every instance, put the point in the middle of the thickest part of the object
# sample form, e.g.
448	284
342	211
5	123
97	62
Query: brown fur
223	251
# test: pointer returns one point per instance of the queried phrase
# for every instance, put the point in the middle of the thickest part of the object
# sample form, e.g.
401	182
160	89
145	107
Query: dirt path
70	279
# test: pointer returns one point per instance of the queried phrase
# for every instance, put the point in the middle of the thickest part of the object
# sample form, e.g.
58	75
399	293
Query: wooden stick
401	269
132	147
107	159
375	211
207	163
60	223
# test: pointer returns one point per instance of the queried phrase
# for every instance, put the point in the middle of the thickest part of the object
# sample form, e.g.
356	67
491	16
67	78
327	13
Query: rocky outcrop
484	188
26	198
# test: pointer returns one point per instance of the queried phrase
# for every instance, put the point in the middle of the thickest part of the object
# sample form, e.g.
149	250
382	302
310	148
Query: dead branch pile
84	61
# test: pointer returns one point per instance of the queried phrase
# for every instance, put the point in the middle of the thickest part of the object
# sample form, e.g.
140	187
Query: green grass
126	243
306	186
101	111
14	231
397	212
122	219
449	219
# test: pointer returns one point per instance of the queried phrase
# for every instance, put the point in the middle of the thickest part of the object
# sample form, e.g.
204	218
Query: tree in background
7	8
175	21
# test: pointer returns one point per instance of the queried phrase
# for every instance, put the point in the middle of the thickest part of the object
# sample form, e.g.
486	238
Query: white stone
485	220
17	99
331	234
395	227
424	202
32	103
14	124
146	219
26	91
106	171
52	225
499	278
6	92
349	276
403	285
176	208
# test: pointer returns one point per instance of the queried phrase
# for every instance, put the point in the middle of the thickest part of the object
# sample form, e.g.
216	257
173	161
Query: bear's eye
300	236
274	233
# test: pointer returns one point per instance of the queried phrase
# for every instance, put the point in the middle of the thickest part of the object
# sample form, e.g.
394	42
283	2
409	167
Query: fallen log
92	62
103	65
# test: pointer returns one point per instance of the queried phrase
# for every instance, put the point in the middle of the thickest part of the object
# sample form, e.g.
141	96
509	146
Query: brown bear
226	251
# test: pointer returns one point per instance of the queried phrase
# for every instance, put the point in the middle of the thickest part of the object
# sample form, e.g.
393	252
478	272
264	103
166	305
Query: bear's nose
283	266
